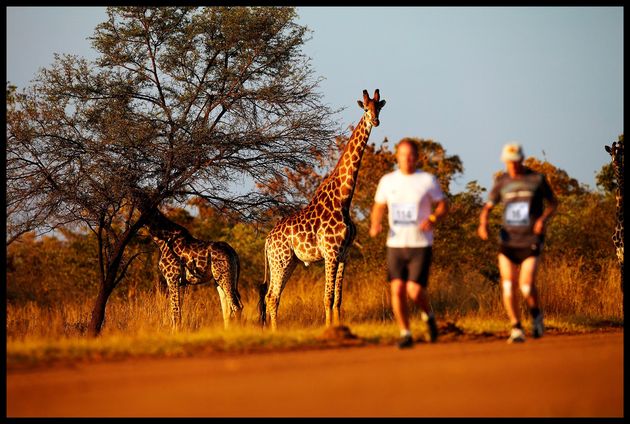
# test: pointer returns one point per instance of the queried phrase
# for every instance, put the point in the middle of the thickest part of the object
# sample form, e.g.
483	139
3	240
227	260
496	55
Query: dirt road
556	376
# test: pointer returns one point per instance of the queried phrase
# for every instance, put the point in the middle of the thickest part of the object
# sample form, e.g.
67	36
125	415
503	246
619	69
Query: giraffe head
161	227
616	152
162	236
372	107
168	256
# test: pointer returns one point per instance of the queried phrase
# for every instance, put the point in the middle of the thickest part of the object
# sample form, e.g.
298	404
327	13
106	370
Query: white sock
425	317
405	333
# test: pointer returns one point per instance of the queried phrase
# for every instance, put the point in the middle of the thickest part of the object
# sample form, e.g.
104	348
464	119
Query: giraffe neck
618	169
166	230
618	236
339	186
619	232
619	198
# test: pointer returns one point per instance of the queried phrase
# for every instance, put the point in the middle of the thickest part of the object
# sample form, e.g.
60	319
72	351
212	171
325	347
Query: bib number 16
517	213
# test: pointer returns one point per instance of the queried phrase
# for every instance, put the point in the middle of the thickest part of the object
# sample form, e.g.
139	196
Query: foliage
605	179
432	158
456	244
582	227
561	183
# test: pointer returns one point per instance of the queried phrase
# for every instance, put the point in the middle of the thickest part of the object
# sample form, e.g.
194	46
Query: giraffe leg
336	318
331	265
170	270
279	275
225	273
176	313
224	307
230	303
234	298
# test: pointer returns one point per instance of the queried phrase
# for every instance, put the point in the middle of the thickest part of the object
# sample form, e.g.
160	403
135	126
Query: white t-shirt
409	199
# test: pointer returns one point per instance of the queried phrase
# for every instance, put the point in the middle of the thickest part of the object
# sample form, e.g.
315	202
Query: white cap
512	152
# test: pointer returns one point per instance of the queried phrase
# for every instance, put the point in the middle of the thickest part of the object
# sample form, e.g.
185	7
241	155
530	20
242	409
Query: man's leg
509	286
527	282
420	297
401	312
399	303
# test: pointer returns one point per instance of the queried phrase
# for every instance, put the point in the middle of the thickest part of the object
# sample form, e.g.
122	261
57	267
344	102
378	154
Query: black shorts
517	255
409	264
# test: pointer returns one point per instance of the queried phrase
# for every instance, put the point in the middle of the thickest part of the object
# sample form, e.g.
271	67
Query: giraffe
186	260
176	275
616	152
322	229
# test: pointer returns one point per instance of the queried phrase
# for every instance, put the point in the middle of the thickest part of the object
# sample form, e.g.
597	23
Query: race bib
517	213
405	213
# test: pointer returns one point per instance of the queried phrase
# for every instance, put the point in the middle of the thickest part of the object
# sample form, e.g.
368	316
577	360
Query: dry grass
573	298
571	289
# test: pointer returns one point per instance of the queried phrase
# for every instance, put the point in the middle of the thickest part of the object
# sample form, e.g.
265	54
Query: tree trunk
98	312
111	277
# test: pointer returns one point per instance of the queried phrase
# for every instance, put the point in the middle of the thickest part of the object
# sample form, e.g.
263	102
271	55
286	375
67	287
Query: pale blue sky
470	78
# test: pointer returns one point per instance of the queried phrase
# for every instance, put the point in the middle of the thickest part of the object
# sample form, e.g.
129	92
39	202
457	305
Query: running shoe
516	336
405	342
537	326
433	331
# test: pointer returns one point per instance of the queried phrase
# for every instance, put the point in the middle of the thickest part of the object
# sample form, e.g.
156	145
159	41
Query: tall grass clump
581	289
568	290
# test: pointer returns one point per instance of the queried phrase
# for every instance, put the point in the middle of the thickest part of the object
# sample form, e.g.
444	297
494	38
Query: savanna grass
574	298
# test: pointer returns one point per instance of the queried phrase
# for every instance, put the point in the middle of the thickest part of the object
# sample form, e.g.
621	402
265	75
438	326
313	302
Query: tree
561	183
605	179
432	158
456	240
181	102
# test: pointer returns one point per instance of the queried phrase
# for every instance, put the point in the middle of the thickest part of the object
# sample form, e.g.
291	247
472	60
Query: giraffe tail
262	307
262	292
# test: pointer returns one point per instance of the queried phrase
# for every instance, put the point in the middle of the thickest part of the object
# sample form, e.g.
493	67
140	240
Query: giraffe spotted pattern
322	229
186	260
616	152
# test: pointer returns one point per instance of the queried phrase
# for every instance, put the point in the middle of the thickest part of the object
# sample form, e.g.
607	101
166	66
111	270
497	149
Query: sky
469	78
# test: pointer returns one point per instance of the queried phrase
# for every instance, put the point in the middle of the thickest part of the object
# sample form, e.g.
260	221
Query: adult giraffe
322	229
616	152
186	260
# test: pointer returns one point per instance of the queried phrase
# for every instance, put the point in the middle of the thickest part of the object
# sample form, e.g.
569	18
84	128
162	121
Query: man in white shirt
409	195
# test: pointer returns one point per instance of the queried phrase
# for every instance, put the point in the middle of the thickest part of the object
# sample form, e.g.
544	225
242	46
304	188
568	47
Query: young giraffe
186	260
616	152
322	229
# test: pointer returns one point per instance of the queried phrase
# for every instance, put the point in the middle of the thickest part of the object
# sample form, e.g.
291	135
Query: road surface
556	376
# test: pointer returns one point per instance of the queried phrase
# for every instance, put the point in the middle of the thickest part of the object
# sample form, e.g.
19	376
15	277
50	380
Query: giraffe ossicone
322	230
